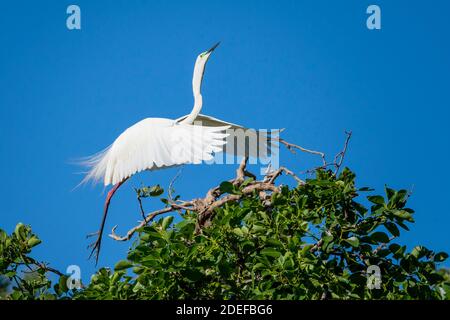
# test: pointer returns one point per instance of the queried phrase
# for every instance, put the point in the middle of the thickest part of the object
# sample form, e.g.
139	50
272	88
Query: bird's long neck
198	102
197	78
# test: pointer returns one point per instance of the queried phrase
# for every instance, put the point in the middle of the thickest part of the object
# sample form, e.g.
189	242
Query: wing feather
241	141
153	144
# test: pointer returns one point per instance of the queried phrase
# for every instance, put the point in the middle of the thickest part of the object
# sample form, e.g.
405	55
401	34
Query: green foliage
146	192
313	241
310	242
21	277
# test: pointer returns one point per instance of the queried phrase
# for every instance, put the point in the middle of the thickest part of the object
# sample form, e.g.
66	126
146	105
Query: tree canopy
318	239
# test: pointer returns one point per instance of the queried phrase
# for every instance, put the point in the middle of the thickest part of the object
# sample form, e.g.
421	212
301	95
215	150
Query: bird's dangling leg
96	245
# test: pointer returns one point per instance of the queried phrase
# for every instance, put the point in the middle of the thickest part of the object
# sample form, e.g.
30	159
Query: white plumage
157	143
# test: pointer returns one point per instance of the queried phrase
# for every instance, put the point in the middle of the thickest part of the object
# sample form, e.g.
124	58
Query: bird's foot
89	235
95	249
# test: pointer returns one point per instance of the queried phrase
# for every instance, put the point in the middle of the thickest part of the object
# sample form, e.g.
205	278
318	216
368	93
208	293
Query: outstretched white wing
241	141
155	144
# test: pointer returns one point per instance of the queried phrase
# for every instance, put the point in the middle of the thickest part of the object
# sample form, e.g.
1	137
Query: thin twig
272	176
169	192
40	265
292	146
341	154
381	246
146	220
141	207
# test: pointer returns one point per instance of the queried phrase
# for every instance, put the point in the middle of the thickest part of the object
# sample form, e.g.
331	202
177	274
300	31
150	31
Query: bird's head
199	68
204	56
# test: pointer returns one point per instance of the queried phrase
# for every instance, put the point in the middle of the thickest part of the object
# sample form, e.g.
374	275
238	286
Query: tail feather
96	164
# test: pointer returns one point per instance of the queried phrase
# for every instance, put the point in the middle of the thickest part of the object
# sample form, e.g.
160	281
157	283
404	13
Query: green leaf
122	265
380	237
418	252
322	183
3	236
353	241
150	262
306	250
401	224
394	247
156	191
392	229
33	241
246	182
10	274
238	232
389	192
19	231
183	223
226	187
376	199
441	256
63	283
192	274
434	278
271	252
326	241
403	215
152	191
166	222
259	266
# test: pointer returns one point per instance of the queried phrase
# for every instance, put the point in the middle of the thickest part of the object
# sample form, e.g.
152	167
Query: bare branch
381	246
41	265
272	176
338	159
341	154
141	207
206	215
170	190
146	220
292	146
240	172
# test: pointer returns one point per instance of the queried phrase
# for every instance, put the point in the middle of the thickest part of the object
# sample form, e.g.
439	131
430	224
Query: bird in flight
158	143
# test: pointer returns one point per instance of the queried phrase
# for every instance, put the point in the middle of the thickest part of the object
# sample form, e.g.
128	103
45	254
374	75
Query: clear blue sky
311	67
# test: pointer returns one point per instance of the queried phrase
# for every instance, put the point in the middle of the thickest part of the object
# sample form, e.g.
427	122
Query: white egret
156	143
